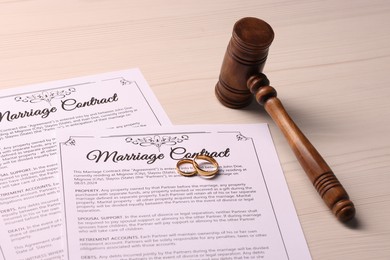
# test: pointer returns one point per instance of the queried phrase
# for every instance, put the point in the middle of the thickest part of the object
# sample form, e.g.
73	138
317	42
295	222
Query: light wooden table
330	63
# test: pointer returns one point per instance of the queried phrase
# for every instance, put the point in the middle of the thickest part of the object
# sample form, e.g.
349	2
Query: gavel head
245	57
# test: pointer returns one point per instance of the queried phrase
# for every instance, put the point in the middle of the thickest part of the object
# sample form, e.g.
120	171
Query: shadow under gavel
241	77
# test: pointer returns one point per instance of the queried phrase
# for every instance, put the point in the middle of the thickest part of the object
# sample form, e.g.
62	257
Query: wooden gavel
241	77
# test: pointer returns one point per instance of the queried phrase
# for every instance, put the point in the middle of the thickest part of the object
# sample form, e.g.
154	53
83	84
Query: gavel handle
320	174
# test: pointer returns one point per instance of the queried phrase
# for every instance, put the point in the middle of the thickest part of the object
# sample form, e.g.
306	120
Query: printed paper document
30	205
125	200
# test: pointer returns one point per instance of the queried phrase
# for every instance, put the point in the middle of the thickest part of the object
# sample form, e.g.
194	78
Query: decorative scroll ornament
124	82
70	142
157	140
47	96
241	137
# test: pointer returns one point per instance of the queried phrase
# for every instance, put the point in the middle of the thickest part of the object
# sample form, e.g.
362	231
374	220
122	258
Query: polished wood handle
318	171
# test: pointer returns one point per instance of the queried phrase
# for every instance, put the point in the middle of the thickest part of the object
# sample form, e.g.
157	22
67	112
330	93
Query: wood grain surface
330	63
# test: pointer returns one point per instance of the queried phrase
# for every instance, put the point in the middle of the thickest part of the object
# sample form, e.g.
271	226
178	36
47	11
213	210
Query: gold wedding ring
186	174
208	159
197	168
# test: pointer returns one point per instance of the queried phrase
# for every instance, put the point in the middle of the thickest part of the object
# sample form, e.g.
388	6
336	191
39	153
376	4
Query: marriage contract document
124	198
30	204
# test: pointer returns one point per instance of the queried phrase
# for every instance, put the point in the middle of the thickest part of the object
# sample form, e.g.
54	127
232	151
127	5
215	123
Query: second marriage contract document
30	205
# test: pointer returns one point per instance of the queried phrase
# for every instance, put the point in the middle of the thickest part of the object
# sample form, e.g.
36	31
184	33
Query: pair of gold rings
198	167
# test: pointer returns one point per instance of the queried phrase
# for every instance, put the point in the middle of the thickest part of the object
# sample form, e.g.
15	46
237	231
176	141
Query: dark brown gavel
241	77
